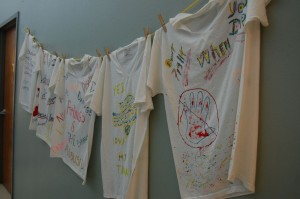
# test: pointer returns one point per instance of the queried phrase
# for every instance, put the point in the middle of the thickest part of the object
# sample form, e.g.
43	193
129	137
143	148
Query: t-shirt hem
233	191
44	139
75	170
116	196
247	184
98	113
263	20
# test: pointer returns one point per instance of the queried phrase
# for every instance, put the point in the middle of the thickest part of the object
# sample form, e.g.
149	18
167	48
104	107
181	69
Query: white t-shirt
27	60
58	141
124	127
197	65
73	126
43	112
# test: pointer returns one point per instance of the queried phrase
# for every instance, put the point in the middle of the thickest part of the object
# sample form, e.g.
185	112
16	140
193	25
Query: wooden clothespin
107	52
64	56
38	43
27	30
146	32
162	22
41	45
98	53
34	40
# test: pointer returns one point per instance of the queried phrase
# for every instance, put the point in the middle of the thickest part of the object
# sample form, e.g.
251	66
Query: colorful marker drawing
127	116
237	22
185	81
177	61
198	121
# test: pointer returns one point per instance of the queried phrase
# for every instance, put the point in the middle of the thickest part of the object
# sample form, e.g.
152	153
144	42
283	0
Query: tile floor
4	193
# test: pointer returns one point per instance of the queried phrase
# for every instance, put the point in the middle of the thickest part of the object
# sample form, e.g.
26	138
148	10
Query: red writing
74	113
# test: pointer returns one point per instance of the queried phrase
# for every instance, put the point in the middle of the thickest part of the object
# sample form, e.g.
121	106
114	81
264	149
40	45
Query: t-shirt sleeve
97	97
39	60
244	152
27	61
257	11
35	112
54	75
60	82
23	49
143	97
155	80
92	86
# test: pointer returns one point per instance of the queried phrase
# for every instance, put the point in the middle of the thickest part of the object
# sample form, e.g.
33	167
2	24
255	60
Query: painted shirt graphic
74	120
197	65
126	118
197	118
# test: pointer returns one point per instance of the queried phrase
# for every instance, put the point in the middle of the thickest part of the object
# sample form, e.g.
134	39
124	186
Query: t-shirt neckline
178	22
114	58
84	63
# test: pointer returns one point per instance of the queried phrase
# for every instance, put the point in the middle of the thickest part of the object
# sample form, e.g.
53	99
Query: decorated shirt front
197	65
124	126
43	111
74	121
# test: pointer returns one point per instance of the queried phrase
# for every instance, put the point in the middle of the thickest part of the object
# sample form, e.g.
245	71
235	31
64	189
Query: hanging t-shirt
72	136
124	127
58	141
42	115
197	65
27	60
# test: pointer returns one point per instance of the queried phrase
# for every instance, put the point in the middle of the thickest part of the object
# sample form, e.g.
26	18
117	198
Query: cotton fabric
73	127
201	65
124	140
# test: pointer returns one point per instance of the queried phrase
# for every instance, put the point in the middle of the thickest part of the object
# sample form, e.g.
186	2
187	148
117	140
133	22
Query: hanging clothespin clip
27	30
64	56
107	52
34	40
99	54
146	32
41	45
56	55
38	43
162	22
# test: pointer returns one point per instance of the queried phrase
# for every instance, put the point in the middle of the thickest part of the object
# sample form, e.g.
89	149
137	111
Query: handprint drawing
197	118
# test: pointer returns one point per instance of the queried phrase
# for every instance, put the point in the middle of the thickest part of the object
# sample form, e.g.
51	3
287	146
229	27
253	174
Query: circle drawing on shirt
198	120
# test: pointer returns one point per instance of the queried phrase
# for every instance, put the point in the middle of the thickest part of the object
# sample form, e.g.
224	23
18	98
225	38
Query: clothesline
107	50
207	94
